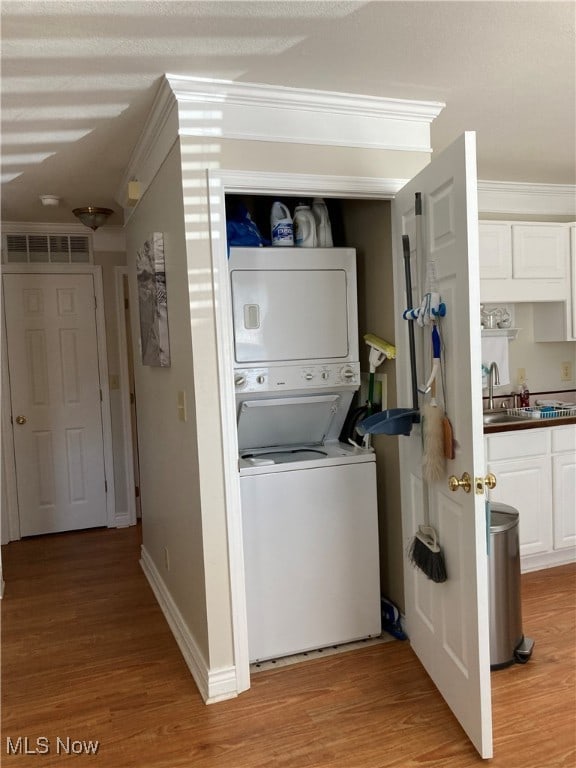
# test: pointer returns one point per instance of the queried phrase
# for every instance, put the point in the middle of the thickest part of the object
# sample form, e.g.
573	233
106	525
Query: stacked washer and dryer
309	511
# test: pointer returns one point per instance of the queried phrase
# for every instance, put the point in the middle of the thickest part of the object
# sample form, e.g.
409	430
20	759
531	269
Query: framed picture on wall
152	302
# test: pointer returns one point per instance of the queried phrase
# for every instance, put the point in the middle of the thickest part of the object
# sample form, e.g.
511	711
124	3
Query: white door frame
7	426
123	352
236	182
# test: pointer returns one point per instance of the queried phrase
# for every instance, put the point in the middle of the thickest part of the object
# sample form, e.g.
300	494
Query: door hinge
137	491
132	398
126	304
95	303
100	395
105	486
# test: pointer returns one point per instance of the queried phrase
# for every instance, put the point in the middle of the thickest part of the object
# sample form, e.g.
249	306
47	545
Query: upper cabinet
556	321
524	261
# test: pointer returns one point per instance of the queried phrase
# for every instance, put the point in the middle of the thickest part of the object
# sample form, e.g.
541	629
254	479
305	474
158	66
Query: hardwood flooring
87	655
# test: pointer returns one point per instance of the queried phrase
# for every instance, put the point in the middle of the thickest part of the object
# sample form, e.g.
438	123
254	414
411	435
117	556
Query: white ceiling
78	79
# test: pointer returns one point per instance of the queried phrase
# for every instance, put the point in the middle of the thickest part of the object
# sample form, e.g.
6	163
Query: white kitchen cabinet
539	251
564	486
536	473
520	462
524	261
495	242
556	321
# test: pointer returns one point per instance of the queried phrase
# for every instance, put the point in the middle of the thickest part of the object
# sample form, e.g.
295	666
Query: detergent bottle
281	225
323	226
304	227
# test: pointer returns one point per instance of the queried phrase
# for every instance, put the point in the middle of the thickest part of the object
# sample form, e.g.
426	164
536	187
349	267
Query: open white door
448	623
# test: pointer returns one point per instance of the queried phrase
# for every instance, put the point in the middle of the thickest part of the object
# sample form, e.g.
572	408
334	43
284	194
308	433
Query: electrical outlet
166	559
566	371
521	375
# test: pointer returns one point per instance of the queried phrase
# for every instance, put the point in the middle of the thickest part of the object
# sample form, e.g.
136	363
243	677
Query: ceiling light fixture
92	216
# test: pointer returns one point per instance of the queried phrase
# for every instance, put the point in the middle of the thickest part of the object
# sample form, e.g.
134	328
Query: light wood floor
87	654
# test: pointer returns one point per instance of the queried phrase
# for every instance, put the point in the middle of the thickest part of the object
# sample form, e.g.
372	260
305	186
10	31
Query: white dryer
310	523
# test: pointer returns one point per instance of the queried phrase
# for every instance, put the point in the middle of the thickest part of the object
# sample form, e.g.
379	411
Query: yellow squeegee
380	350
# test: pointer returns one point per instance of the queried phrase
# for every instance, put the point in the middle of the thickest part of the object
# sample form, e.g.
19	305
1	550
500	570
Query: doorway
56	422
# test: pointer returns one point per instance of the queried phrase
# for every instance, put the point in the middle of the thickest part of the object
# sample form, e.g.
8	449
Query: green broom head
425	554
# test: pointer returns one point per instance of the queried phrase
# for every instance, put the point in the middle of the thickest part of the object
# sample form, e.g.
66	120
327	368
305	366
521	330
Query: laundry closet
320	524
208	140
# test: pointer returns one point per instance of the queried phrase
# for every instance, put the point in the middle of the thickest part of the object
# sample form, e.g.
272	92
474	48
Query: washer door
286	421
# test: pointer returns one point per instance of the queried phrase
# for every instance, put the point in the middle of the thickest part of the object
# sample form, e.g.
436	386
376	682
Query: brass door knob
20	419
490	481
465	482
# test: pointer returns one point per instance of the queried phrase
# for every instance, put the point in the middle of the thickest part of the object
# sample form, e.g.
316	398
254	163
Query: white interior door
448	623
56	403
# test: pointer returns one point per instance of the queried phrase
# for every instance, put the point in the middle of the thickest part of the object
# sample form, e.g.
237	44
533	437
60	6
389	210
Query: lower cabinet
536	473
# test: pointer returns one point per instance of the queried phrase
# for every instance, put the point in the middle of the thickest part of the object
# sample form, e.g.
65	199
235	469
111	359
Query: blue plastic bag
241	230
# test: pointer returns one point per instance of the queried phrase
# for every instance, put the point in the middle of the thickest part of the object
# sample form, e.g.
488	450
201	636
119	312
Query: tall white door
55	398
448	622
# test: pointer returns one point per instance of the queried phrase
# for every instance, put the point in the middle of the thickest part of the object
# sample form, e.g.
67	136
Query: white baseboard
213	685
547	560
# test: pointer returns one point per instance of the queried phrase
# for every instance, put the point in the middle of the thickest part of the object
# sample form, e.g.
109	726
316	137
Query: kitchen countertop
515	426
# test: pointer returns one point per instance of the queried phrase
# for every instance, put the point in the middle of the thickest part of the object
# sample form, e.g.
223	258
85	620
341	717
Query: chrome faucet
493	378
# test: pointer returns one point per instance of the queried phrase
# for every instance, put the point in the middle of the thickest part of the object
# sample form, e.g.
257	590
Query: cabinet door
526	485
540	251
495	243
564	488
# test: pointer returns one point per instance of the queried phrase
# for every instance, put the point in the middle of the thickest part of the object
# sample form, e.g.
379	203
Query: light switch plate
182	409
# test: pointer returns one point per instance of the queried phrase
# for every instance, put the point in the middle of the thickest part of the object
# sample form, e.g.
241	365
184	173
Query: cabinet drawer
533	442
563	439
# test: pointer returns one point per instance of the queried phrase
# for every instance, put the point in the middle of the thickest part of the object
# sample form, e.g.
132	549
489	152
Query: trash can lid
501	520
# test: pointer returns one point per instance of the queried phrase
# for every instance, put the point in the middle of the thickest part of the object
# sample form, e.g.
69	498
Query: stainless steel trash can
507	641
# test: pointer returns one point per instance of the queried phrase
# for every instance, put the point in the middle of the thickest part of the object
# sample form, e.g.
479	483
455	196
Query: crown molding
200	90
524	198
158	135
258	112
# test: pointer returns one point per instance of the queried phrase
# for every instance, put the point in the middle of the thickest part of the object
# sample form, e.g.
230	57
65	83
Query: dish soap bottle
524	396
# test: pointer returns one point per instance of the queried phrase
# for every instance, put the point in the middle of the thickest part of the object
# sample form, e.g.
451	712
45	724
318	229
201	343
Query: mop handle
408	276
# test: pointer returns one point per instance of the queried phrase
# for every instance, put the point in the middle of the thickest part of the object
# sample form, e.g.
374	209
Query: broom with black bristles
425	552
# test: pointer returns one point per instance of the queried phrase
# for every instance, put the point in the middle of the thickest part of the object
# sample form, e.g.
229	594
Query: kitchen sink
501	417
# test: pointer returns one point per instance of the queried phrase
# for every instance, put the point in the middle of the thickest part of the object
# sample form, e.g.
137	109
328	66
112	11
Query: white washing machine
310	524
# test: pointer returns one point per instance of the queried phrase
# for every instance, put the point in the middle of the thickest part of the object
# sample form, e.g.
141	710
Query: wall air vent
23	248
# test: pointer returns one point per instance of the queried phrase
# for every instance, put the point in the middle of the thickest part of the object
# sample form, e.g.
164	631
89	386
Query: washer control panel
290	377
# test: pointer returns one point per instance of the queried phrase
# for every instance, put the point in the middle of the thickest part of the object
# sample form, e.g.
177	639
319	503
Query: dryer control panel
295	377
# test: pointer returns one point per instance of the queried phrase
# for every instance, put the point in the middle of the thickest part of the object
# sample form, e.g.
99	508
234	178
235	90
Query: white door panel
55	387
448	623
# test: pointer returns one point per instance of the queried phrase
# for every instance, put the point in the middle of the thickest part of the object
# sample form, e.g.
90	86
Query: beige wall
541	360
368	229
168	448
